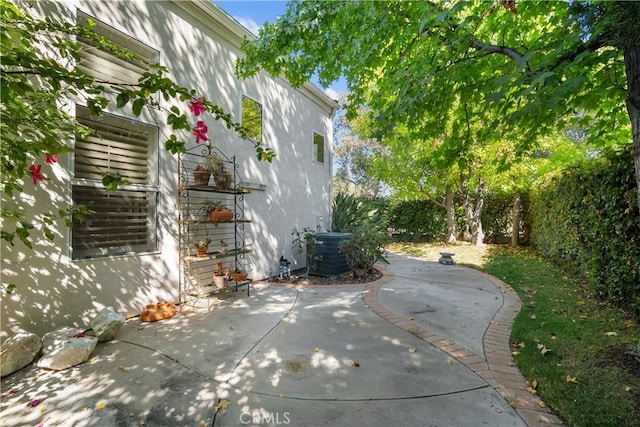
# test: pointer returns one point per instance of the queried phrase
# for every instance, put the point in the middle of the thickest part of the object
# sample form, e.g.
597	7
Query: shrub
351	212
364	248
304	243
497	216
366	220
418	219
588	219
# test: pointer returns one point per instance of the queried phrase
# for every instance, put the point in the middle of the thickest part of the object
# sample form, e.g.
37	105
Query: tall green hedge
497	217
588	220
426	220
418	219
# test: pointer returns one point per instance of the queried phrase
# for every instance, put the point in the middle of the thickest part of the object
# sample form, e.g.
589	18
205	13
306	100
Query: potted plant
220	277
218	212
238	276
221	176
201	247
213	165
201	174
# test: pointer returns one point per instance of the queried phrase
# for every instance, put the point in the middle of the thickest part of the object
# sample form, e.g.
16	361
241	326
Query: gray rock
107	324
64	348
68	353
18	351
52	339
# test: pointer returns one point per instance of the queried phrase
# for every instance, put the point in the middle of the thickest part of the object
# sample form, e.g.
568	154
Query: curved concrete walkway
427	345
464	317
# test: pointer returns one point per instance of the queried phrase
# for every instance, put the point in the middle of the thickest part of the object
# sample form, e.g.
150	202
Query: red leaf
9	392
35	402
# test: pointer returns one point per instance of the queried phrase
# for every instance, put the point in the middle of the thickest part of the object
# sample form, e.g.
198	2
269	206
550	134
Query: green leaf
48	233
122	99
111	181
137	106
5	235
26	225
24	235
174	146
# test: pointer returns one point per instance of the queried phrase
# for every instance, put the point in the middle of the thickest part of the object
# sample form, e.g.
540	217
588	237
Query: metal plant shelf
211	189
208	178
206	221
210	289
216	255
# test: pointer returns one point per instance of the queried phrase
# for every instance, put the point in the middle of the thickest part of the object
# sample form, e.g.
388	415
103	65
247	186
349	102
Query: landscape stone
68	353
52	339
18	351
65	347
107	324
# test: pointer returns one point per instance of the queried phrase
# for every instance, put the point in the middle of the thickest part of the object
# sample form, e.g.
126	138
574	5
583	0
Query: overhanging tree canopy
536	64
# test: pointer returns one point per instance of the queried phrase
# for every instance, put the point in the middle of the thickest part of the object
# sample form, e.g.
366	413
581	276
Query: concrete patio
426	345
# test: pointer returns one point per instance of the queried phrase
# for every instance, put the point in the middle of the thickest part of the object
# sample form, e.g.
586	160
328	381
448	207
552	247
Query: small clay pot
221	215
238	277
201	177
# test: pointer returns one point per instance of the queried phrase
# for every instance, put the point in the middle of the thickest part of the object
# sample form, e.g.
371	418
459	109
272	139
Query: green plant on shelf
201	246
202	243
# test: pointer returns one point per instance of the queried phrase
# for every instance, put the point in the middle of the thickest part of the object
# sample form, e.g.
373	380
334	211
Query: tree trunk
473	212
451	215
632	65
515	220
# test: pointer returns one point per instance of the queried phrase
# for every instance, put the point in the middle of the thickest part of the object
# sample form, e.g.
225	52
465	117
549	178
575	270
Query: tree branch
492	48
591	46
569	56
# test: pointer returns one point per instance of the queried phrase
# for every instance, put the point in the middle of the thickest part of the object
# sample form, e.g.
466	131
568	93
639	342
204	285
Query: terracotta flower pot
238	277
222	215
201	251
201	177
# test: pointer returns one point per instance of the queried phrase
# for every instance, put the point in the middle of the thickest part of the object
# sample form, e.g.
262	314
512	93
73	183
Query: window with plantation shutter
117	145
105	65
123	221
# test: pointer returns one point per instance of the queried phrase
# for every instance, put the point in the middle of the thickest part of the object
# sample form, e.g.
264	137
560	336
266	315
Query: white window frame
105	65
314	146
132	206
125	221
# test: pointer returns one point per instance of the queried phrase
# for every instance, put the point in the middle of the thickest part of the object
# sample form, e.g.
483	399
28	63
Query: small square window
252	118
318	147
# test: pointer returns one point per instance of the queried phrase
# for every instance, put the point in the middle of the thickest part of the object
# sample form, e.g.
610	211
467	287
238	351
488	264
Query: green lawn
572	345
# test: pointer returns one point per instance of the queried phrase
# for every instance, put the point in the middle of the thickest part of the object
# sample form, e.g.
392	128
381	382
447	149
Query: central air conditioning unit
330	261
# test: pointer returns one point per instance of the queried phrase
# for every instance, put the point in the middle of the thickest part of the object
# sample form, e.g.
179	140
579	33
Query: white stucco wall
200	51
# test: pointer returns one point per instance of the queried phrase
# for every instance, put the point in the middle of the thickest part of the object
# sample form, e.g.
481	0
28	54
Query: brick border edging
497	368
497	348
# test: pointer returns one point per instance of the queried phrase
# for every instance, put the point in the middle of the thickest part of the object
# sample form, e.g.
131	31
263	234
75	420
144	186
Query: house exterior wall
199	44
